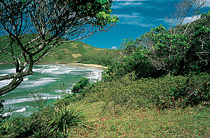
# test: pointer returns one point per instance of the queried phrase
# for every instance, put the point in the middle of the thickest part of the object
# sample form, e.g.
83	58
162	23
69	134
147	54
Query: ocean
46	81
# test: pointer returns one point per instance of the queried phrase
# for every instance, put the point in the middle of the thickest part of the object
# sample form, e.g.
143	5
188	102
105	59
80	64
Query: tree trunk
11	86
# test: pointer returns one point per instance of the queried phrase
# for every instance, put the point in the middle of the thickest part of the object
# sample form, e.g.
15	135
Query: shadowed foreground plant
48	122
64	117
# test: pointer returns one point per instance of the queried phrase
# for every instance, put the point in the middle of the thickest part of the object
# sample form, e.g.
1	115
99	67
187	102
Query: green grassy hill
72	52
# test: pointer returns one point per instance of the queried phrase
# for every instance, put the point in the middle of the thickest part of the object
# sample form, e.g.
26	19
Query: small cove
46	81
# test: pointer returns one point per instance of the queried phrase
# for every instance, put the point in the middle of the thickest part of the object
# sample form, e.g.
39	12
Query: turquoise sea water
46	81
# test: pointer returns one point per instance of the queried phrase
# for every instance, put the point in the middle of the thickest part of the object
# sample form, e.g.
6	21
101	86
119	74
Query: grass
146	122
109	114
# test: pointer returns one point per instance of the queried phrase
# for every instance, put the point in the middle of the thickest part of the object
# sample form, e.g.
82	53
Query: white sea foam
49	70
51	73
3	74
62	72
56	70
7	114
9	71
17	111
4	82
20	110
25	79
95	74
36	70
39	82
64	91
21	100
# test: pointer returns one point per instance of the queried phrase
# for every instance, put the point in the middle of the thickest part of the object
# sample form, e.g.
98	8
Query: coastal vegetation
72	52
156	86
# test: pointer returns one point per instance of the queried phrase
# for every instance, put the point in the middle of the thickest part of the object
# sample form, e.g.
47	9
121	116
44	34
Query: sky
136	18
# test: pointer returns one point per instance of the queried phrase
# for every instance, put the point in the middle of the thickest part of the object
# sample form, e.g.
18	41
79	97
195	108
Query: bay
47	81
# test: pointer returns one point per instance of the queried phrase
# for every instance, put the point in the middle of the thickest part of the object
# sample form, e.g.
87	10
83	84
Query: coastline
87	65
72	64
56	74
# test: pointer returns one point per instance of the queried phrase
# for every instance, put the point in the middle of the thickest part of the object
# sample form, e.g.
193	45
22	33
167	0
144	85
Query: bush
49	122
193	91
163	92
2	117
136	62
80	85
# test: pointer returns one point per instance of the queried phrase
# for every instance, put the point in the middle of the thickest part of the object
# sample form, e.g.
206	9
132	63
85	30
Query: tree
180	50
184	47
34	28
80	85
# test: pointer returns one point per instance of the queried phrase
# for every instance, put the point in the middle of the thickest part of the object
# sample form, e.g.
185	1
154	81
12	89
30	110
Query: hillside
72	52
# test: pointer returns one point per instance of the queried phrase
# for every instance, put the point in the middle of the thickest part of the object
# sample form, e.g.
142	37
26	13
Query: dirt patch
99	49
76	55
65	50
74	45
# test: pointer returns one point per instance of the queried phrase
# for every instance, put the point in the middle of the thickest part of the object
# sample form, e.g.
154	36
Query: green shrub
2	118
80	85
193	91
49	122
163	92
131	58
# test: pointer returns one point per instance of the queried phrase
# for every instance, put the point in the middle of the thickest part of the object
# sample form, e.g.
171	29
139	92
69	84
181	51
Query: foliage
62	117
189	90
160	52
100	57
163	92
131	58
80	85
39	101
2	117
1	111
164	50
180	52
49	122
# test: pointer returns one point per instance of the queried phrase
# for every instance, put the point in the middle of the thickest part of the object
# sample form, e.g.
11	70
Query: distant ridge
72	52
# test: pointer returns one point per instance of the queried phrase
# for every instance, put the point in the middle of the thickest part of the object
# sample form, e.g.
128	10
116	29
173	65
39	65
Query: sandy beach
87	65
73	64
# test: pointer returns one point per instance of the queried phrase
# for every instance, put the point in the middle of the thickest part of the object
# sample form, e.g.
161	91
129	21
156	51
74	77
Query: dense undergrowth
161	90
165	92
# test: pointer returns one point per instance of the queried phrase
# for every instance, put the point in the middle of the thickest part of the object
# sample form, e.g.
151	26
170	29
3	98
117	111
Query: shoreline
87	65
72	64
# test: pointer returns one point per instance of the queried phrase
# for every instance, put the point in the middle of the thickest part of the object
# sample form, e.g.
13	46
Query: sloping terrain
71	52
